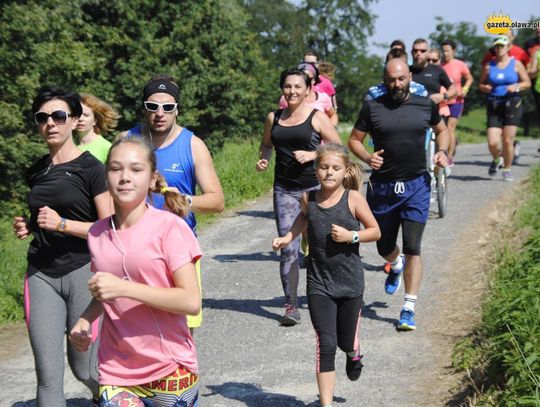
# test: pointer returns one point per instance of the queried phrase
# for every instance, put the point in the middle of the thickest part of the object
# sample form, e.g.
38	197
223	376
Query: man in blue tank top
399	190
182	158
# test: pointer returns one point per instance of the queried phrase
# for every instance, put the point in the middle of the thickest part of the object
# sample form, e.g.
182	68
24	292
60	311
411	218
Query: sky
408	20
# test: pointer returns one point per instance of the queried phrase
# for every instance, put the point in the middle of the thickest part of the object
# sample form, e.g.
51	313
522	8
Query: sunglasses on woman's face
154	106
58	116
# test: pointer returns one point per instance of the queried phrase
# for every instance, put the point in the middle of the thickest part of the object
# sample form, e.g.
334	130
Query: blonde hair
327	69
106	115
175	201
354	176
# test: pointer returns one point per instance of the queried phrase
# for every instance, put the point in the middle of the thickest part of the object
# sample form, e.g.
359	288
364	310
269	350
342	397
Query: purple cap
306	66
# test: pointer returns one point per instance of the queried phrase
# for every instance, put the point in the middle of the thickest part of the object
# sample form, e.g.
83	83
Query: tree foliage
110	49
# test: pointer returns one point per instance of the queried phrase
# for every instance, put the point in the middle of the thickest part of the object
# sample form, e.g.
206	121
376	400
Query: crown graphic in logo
498	24
162	87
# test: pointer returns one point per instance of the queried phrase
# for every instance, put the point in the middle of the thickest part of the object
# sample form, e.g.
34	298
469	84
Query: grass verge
502	356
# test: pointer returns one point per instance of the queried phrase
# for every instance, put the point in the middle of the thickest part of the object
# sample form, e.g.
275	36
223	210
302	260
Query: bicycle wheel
442	192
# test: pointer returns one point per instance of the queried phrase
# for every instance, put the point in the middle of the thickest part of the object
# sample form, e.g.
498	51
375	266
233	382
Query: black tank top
333	269
289	172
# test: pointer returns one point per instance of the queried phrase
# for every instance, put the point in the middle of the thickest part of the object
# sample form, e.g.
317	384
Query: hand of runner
304	156
20	227
441	159
437	98
79	337
105	286
261	165
376	160
340	234
280	242
48	218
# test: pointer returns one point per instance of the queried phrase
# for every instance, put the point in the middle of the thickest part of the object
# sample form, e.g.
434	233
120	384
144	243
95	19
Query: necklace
48	169
164	141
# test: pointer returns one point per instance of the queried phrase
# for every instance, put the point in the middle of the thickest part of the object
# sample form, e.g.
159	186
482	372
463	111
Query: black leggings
336	322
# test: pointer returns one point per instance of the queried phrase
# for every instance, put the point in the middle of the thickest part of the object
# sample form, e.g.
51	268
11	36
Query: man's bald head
397	78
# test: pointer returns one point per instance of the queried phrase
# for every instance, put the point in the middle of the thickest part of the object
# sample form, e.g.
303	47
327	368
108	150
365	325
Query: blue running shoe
406	320
393	281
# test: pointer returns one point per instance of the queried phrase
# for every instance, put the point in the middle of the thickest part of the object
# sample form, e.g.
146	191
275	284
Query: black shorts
505	111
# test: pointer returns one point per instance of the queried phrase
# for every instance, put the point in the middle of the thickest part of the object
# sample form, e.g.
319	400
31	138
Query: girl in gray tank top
335	278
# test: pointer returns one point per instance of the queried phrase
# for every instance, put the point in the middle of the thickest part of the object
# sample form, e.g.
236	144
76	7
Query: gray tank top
333	269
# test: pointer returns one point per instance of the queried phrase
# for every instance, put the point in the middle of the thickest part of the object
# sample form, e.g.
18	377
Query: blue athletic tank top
500	78
175	163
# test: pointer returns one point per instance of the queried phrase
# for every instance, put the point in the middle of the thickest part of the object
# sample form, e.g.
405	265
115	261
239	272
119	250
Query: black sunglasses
432	61
154	106
58	116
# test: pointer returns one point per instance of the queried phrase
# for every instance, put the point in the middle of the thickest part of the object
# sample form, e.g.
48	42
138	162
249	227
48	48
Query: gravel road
247	359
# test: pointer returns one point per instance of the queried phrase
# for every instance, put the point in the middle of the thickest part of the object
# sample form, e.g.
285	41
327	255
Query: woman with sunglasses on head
295	132
317	100
97	119
67	195
182	158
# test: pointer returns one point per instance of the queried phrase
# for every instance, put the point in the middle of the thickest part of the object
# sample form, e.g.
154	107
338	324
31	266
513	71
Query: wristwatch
445	96
62	225
355	237
188	199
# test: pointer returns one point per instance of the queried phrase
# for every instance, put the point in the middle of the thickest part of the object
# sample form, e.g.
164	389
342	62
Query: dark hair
396	53
449	42
175	202
293	71
311	53
47	93
399	43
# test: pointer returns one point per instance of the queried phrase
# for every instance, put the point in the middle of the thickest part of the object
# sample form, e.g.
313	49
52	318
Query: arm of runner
443	142
322	125
20	227
524	81
356	145
81	334
49	219
468	81
266	147
483	85
362	212
533	66
332	115
184	298
299	225
211	199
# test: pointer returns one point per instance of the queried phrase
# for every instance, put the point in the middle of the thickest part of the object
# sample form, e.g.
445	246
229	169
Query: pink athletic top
456	70
322	102
131	350
325	86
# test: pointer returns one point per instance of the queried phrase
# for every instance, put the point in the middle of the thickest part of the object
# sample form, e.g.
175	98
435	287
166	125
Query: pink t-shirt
322	102
325	85
456	70
131	351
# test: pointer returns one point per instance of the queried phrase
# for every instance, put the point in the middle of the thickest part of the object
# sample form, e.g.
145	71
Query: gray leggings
287	206
52	305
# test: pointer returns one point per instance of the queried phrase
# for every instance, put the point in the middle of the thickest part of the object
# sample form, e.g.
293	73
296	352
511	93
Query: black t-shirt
69	189
432	77
289	173
399	129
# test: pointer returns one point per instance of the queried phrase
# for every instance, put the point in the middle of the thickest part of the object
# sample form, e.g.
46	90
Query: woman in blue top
503	79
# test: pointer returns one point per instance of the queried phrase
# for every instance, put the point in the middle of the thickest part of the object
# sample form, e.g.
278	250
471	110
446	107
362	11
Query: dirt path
248	360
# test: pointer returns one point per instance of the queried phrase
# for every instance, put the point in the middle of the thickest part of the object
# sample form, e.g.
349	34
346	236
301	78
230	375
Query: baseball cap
501	40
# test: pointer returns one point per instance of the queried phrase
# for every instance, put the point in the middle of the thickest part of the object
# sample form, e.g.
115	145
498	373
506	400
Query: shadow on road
373	267
468	178
258	256
250	306
253	396
257	214
369	311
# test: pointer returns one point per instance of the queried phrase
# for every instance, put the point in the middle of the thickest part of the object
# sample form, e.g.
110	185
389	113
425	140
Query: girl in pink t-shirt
144	285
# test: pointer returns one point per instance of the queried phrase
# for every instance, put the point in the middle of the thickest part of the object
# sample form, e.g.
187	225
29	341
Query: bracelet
188	199
465	89
445	96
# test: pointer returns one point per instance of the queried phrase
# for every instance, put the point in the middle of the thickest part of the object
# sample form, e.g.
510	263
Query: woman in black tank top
295	132
335	278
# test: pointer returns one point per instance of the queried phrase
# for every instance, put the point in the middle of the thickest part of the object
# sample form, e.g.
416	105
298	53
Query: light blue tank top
500	78
175	163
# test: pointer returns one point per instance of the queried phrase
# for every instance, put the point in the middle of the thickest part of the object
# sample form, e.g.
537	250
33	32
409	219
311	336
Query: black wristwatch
445	96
